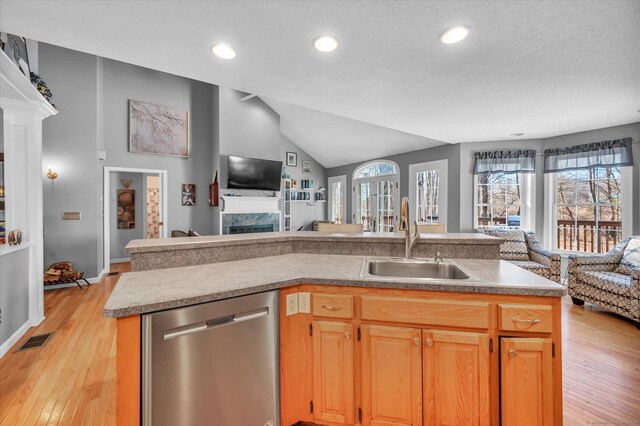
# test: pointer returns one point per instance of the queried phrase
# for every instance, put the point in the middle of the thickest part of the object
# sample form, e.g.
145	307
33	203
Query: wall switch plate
292	304
304	303
71	216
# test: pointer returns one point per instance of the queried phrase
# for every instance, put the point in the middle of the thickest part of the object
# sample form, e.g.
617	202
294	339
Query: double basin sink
422	269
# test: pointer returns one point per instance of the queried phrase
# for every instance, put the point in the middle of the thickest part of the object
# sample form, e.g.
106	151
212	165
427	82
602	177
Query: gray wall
119	238
70	145
92	96
443	152
14	292
303	214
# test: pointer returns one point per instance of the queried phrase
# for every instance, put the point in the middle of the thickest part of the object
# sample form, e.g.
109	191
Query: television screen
253	173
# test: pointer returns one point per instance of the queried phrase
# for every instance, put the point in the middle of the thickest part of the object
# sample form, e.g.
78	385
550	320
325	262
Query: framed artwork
157	129
188	194
292	159
126	208
306	166
16	49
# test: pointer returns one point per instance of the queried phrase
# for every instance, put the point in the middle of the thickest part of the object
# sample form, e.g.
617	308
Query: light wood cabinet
456	378
333	373
391	376
526	381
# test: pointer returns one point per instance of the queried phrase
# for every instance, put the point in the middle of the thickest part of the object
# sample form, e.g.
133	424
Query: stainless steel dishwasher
214	364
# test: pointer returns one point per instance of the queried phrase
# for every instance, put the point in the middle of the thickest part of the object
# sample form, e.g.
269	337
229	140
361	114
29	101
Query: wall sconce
52	174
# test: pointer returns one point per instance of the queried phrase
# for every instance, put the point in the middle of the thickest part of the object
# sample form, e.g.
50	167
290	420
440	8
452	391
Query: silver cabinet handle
429	342
331	308
529	321
215	323
513	352
416	341
347	335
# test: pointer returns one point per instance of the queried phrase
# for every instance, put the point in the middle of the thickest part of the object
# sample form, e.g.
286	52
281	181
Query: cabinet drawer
531	318
332	305
426	312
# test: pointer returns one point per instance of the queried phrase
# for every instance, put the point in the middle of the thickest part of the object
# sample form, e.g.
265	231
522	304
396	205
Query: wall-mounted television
253	173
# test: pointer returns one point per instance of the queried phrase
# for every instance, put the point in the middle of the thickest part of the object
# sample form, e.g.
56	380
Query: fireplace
244	215
250	229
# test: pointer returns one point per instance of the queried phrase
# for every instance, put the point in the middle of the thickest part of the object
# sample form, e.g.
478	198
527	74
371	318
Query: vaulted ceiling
541	68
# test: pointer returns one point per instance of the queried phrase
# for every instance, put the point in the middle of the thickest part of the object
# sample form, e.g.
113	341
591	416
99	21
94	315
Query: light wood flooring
72	379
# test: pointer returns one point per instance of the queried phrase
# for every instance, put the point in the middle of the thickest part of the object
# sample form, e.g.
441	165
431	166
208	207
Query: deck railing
583	235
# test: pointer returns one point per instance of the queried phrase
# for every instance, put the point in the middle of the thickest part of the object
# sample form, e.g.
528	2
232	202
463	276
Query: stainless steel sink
414	269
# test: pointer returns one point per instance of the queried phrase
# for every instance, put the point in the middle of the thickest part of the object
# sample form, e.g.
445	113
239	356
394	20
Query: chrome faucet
409	241
438	258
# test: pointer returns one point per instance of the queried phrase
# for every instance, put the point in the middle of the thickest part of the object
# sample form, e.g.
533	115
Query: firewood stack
61	273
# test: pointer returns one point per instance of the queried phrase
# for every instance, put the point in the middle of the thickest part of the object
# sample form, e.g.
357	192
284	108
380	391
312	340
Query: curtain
606	153
516	161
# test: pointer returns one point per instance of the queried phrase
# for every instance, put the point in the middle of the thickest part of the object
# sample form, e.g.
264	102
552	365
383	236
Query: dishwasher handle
215	323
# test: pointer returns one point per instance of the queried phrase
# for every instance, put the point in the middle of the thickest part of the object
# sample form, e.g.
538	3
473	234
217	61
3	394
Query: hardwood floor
72	379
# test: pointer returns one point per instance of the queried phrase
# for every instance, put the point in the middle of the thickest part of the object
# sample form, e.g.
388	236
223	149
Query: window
428	191
337	188
503	200
589	209
376	199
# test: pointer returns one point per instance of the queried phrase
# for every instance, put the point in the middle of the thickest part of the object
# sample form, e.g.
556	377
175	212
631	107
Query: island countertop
154	290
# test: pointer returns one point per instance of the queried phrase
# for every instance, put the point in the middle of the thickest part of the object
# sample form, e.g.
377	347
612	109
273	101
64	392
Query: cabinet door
391	376
456	378
333	389
526	382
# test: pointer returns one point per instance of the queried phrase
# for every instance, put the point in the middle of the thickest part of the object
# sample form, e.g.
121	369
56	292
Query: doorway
376	195
135	207
428	192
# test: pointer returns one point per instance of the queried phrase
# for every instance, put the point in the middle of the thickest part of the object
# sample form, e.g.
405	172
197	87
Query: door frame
394	178
343	180
107	206
442	166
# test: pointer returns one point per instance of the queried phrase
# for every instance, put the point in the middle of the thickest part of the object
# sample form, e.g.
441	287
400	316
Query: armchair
523	249
611	281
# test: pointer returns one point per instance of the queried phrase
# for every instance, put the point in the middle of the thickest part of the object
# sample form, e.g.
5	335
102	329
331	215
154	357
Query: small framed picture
16	49
306	166
188	194
292	159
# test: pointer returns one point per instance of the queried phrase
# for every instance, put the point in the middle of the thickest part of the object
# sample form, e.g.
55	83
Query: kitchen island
370	349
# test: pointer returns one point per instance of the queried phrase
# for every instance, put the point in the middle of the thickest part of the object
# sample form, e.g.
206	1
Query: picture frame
158	129
15	47
306	166
292	159
188	194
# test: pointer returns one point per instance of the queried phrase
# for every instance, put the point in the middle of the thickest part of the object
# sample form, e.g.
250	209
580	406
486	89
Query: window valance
597	154
515	161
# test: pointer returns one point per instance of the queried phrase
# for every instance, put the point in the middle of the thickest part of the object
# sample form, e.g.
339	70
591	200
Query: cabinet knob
513	352
347	335
429	342
331	308
416	341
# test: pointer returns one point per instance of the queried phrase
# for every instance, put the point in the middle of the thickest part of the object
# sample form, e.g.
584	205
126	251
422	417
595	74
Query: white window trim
551	231
527	198
442	167
342	180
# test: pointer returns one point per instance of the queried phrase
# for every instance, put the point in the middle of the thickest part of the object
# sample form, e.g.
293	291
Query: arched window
376	200
376	168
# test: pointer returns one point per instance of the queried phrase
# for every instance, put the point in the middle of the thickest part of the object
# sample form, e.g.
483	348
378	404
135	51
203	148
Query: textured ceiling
539	67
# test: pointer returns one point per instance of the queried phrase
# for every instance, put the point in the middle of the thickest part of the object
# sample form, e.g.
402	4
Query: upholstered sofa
611	281
523	249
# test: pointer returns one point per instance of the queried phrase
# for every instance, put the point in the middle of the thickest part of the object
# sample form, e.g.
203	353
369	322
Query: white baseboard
121	260
94	280
4	348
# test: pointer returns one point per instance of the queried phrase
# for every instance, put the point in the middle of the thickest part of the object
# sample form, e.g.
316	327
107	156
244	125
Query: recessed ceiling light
454	35
223	51
517	134
325	43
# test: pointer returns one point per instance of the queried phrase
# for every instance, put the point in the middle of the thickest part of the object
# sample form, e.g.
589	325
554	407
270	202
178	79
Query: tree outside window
499	200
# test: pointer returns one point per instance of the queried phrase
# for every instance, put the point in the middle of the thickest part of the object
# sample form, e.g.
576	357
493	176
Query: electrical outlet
304	303
292	304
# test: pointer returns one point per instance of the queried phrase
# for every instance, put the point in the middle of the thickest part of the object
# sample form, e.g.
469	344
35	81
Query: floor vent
35	342
110	274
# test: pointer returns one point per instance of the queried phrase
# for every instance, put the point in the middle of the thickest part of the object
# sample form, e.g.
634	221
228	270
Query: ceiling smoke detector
517	134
